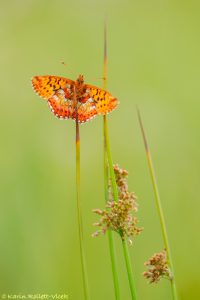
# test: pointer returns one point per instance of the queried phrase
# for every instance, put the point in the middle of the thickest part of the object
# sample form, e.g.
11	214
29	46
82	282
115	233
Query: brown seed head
157	268
118	216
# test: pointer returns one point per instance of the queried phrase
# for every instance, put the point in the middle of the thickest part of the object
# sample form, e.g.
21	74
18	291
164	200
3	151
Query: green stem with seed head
159	207
108	164
110	233
80	224
115	196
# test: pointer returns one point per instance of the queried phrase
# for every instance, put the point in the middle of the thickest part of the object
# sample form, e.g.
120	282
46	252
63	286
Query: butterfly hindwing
64	108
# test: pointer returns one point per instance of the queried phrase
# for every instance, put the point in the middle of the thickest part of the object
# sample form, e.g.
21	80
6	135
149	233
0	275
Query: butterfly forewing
46	86
103	100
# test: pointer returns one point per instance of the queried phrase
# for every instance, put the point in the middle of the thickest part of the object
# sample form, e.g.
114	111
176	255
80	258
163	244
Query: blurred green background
154	62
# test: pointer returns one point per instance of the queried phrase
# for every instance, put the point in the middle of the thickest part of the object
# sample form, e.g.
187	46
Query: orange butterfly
68	99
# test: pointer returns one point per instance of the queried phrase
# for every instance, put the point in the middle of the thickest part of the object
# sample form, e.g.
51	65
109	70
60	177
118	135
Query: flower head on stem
157	268
118	216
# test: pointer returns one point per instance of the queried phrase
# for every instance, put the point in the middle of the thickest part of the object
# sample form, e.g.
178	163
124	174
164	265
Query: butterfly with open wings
70	99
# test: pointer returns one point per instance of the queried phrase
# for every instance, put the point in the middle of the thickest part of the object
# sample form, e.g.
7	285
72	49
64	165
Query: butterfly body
71	99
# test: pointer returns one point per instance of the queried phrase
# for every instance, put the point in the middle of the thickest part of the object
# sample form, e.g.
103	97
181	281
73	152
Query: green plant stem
80	225
110	234
158	206
108	164
129	269
115	196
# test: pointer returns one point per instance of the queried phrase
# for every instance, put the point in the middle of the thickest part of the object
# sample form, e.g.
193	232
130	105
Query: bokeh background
154	63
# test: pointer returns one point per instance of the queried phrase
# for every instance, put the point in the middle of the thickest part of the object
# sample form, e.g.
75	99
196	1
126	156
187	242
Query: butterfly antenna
64	64
97	78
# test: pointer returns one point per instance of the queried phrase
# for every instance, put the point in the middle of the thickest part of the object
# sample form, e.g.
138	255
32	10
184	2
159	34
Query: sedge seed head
157	268
118	216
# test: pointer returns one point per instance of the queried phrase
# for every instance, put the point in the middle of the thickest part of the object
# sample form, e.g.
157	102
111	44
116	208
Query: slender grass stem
80	225
110	234
113	265
108	164
115	196
159	207
129	269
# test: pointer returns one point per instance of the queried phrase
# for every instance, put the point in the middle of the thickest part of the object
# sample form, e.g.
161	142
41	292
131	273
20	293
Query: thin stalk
115	196
107	153
108	164
129	269
159	207
110	234
80	225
